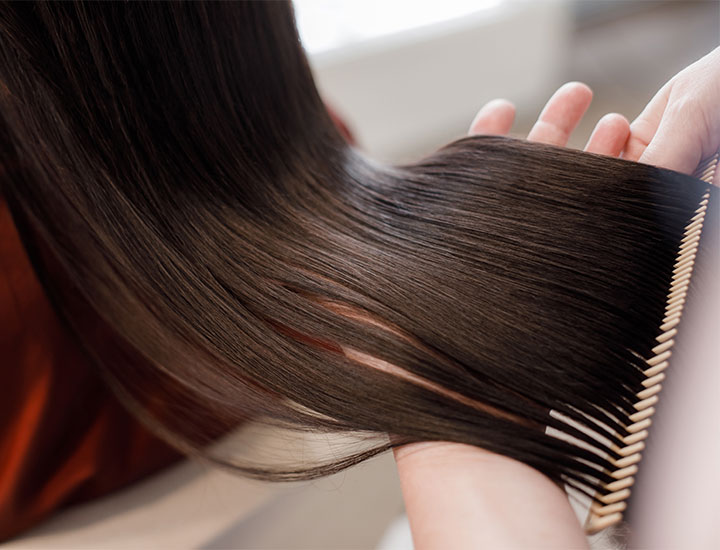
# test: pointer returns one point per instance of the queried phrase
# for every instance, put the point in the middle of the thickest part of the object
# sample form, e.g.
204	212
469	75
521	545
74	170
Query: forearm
459	496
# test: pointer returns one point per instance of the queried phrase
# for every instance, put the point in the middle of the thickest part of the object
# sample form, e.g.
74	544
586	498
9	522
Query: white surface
326	25
191	506
185	507
398	535
676	499
417	89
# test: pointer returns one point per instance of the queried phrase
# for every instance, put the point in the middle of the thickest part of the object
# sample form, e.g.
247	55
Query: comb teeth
613	496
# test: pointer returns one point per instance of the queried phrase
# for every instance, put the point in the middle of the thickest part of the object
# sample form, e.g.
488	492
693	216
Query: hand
680	126
459	496
558	119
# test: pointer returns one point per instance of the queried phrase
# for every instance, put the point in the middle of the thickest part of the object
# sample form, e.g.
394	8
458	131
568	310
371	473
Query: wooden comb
612	498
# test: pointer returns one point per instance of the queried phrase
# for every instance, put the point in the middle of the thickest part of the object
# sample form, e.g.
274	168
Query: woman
222	255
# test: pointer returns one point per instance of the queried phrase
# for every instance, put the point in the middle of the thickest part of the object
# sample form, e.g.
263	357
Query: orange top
64	438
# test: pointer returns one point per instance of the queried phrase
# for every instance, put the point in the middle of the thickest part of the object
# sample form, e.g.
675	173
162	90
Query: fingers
680	126
643	128
495	118
662	135
561	114
673	146
609	136
559	118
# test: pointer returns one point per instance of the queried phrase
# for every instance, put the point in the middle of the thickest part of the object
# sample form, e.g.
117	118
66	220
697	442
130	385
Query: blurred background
407	76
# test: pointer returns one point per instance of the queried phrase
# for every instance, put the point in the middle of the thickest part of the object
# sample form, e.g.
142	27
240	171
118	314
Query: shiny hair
226	257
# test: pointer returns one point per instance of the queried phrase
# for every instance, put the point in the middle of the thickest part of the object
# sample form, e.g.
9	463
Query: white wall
408	93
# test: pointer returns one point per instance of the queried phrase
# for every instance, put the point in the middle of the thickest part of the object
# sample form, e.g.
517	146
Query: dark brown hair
176	166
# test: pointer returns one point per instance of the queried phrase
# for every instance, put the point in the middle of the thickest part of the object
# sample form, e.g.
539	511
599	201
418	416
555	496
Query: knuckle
687	107
691	115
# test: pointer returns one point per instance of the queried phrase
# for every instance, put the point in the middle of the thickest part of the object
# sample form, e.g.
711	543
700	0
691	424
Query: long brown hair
176	166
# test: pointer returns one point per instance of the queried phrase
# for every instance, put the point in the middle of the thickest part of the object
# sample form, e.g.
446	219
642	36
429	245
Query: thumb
677	144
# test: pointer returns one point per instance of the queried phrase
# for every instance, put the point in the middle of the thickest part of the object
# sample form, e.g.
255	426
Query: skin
681	124
459	496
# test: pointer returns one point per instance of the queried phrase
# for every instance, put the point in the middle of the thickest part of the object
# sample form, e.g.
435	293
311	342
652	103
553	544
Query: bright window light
330	24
